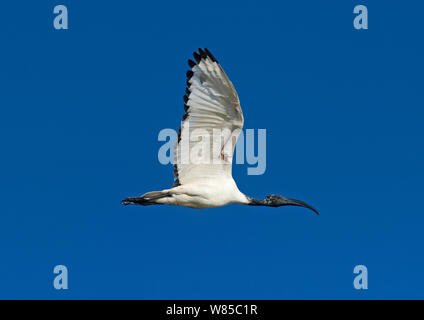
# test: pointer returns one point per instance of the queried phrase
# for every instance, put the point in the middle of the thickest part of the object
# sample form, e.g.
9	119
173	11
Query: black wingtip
210	55
196	57
202	54
191	63
189	74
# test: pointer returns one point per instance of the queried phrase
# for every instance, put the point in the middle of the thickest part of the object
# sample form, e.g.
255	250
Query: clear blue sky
81	110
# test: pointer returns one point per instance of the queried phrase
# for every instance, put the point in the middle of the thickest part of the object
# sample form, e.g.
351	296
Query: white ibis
210	103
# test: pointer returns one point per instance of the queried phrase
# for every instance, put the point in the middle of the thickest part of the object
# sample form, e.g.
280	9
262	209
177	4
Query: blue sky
81	110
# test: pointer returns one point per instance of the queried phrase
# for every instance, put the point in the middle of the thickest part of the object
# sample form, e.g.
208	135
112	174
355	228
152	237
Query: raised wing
211	124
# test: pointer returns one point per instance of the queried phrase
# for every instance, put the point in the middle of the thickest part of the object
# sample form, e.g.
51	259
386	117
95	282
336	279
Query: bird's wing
211	124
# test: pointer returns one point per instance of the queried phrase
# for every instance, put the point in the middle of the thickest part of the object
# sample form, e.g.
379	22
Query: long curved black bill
294	202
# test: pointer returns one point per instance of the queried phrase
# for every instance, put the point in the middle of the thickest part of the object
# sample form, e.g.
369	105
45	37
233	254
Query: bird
210	103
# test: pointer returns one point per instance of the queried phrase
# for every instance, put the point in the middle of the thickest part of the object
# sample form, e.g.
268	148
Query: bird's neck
255	202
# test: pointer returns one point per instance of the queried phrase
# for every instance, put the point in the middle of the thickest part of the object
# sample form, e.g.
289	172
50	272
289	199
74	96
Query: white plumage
206	140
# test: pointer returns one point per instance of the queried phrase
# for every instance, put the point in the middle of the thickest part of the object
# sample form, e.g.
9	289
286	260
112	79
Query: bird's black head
274	200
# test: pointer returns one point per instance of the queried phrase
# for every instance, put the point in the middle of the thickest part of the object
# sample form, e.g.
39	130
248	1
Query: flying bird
210	103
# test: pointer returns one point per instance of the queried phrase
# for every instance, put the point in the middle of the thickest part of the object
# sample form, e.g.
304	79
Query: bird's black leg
146	200
136	200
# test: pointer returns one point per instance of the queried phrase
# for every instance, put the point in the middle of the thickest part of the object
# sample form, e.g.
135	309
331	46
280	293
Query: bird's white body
208	193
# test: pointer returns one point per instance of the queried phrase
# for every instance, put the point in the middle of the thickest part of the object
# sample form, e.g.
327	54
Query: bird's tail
146	199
